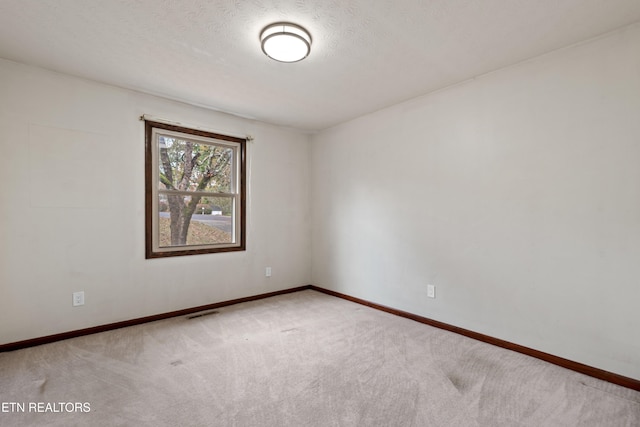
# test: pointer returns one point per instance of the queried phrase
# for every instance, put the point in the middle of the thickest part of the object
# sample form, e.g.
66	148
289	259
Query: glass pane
185	220
189	165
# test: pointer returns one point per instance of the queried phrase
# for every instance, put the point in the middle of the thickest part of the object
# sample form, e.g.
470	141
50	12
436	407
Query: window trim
151	190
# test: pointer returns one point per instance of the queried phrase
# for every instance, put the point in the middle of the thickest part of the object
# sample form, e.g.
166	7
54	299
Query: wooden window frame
239	221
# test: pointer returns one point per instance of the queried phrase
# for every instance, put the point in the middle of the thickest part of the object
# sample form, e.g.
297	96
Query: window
195	191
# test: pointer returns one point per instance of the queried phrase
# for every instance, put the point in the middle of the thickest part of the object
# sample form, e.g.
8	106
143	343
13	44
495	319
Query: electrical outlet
267	272
431	291
78	298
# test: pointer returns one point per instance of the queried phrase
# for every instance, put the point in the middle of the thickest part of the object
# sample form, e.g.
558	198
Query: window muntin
195	191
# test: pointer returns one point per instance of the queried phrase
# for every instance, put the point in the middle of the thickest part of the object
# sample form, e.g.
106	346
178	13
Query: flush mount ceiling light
285	42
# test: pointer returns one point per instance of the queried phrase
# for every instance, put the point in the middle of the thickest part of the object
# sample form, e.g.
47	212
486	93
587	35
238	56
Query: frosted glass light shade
285	42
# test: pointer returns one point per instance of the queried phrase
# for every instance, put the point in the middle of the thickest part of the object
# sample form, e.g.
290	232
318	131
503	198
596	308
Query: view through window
195	191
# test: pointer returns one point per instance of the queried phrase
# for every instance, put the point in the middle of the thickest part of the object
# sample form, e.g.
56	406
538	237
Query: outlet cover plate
78	298
431	291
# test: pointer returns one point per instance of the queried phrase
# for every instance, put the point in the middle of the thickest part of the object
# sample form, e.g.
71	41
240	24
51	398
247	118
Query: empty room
320	213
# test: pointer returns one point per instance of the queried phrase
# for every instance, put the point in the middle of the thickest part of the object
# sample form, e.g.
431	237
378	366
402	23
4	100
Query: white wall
72	208
517	194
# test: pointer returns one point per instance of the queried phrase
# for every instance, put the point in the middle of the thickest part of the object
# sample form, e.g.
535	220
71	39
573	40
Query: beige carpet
302	359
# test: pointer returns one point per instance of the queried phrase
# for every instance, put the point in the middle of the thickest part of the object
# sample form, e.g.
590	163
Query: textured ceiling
366	54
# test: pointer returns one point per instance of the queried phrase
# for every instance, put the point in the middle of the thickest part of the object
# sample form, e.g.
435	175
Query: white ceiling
366	54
